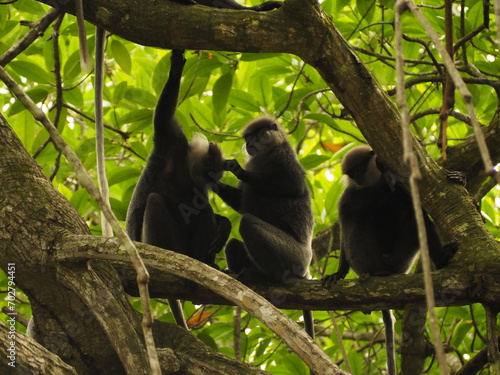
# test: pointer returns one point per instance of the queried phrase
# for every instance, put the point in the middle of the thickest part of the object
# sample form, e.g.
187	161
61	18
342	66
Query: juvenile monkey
169	207
274	200
379	235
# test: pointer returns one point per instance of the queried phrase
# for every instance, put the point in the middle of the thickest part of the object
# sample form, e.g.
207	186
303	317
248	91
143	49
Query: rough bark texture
81	314
38	226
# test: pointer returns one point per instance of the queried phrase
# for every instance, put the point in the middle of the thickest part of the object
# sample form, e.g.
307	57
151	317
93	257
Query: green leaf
460	332
261	89
37	95
340	4
32	7
119	92
160	74
74	96
258	56
121	55
244	100
118	175
140	97
221	90
366	8
31	71
138	115
72	67
312	161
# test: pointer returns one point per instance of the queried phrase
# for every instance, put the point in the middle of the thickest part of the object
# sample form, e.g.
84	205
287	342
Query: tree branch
30	355
73	248
453	285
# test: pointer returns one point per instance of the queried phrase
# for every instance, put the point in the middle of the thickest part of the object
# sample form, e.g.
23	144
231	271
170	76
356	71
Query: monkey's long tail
309	326
176	307
308	322
389	341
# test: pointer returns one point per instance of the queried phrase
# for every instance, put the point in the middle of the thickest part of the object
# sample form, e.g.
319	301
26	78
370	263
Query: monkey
274	200
232	4
82	36
169	206
379	235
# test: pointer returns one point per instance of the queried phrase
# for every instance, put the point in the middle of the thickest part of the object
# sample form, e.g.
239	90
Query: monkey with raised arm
169	206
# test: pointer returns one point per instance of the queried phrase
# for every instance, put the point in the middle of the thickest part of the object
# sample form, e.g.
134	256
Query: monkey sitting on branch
169	206
273	197
379	235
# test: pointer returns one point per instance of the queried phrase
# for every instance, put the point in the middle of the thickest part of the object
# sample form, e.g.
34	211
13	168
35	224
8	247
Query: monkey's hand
328	281
233	166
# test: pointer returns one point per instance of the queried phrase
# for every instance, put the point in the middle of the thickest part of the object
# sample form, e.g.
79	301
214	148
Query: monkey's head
205	161
360	165
263	134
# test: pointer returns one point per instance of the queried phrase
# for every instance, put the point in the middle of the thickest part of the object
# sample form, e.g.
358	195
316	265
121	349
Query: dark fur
170	207
274	200
379	235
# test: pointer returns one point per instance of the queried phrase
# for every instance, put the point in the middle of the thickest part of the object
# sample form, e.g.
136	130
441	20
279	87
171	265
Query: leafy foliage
220	93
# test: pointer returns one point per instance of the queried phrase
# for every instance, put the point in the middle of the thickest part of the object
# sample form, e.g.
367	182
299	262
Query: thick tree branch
453	286
224	285
30	356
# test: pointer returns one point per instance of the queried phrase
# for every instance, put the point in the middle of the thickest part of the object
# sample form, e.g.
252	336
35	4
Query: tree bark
81	314
56	257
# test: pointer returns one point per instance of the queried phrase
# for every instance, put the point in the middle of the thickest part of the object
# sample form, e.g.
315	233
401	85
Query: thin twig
36	29
461	87
237	333
497	18
82	36
492	345
338	336
289	100
300	105
410	158
100	36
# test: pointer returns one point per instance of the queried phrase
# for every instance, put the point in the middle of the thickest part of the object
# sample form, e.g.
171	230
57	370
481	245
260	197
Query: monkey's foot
328	281
447	252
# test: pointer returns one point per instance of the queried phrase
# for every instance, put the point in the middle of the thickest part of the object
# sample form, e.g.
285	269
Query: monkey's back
379	234
194	227
282	199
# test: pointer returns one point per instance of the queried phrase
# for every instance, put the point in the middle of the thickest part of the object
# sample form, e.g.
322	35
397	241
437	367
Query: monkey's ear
274	126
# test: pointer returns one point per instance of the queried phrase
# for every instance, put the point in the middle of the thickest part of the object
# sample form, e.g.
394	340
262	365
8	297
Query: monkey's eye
251	138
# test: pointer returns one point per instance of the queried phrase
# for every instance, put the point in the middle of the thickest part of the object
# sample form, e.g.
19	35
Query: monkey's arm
229	194
328	281
223	231
440	255
269	185
167	130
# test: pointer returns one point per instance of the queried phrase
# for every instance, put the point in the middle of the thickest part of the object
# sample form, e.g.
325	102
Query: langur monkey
379	235
169	206
277	221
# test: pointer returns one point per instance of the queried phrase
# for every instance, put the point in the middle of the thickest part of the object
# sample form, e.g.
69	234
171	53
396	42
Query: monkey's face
263	140
205	163
360	165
